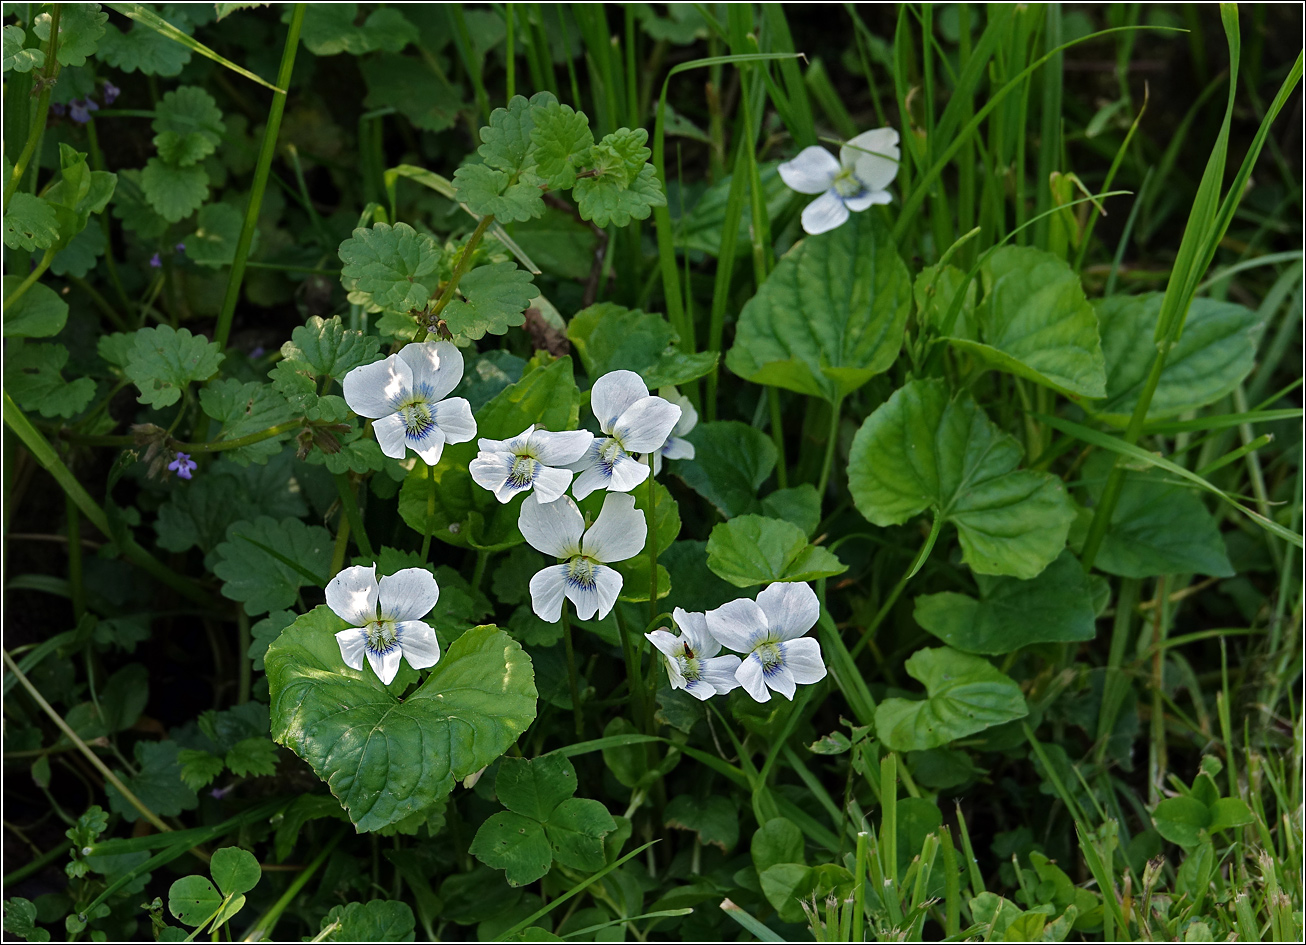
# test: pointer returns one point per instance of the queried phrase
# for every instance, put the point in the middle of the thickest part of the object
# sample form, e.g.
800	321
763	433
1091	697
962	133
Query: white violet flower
385	618
558	529
528	461
692	661
676	446
634	422
404	396
867	165
769	632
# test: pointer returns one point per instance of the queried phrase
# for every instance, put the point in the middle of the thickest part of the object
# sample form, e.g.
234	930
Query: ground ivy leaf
174	192
40	313
411	87
506	184
264	632
252	758
714	819
385	759
576	829
263	563
199	768
607	201
217	231
1035	322
143	49
80	27
33	378
533	788
494	299
964	695
830	316
80	255
1054	607
387	261
731	461
133	209
189	112
750	550
562	141
515	844
1215	353
30	223
158	784
164	360
378	920
329	348
244	409
921	450
17	58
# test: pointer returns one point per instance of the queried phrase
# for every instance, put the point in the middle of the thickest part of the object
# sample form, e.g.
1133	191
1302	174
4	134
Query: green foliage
163	361
20	914
921	450
80	27
751	550
331	29
17	57
624	187
731	461
38	313
472	706
174	191
157	783
264	562
385	265
494	298
610	337
33	377
29	223
194	901
378	920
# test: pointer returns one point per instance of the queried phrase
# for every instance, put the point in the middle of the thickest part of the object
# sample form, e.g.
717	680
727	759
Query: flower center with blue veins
417	418
382	635
846	184
689	667
523	471
771	657
580	572
610	451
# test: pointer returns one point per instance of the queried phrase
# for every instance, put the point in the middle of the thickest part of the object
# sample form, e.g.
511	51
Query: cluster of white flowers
769	632
867	165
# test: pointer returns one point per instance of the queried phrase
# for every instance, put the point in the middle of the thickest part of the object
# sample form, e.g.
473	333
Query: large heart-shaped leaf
921	450
1035	323
964	695
830	316
751	550
731	461
383	758
1055	607
1215	352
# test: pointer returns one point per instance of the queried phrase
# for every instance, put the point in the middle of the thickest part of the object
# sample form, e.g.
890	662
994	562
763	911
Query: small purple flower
80	109
257	353
57	109
183	465
155	261
180	247
111	92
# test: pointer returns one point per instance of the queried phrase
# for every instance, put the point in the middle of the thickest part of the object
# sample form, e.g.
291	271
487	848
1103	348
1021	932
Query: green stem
652	544
36	865
91	756
478	569
430	514
262	929
830	445
261	172
460	270
32	276
571	672
778	437
869	633
350	504
47	80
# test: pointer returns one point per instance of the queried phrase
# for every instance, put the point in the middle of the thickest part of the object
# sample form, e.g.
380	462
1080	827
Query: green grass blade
141	15
574	891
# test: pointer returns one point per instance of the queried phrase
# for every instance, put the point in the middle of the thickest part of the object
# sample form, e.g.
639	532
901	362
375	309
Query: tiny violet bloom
57	109
676	446
867	165
529	460
155	261
692	661
385	618
111	93
769	632
405	395
634	422
180	247
183	465
79	109
558	529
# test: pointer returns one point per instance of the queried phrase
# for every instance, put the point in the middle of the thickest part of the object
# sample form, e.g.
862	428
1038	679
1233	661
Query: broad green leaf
610	337
515	844
935	290
731	461
329	29
263	563
1035	322
40	313
20	914
80	27
562	140
800	504
329	349
777	841
546	395
29	224
1228	812
217	231
964	695
385	759
1216	351
134	210
388	262
164	360
992	911
1158	527
576	829
494	298
157	783
174	192
1054	607
701	225
623	185
199	768
533	788
751	550
264	632
32	377
1182	820
81	255
142	49
193	900
714	819
506	184
557	243
16	57
379	920
245	409
189	120
921	450
830	316
235	870
252	758
411	87
785	886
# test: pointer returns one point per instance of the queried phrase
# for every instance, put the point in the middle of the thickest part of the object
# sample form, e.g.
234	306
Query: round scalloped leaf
382	758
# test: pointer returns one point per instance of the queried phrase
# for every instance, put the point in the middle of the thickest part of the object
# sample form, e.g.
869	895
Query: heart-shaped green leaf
235	870
751	550
382	758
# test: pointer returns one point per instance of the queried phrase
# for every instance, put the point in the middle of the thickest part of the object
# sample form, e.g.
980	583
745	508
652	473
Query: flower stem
571	672
634	679
830	444
778	437
652	544
460	270
35	274
350	504
262	929
430	514
478	570
34	134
